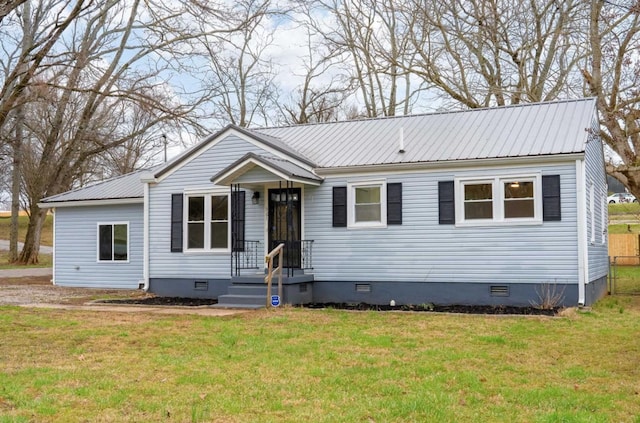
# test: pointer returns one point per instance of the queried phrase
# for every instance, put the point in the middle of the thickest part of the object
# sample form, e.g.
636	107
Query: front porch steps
250	292
245	296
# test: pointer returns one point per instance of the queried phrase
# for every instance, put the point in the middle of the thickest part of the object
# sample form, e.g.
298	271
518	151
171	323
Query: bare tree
81	108
613	77
483	53
7	6
375	48
242	74
20	66
324	90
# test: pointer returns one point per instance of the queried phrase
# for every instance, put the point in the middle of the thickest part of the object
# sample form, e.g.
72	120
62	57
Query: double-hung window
113	242
367	204
501	199
207	223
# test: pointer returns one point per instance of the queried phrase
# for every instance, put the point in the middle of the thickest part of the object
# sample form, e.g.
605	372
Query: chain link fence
624	275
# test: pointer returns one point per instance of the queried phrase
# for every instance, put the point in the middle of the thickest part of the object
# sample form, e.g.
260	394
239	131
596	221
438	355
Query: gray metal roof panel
520	130
267	139
281	165
120	187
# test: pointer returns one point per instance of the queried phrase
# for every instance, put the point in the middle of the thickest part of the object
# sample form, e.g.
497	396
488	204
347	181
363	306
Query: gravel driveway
40	290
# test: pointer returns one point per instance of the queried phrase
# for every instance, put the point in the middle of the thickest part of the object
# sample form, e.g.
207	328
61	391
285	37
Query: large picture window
113	242
505	199
207	222
367	204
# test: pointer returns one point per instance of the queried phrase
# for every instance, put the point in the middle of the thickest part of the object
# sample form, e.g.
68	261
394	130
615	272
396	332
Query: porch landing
250	292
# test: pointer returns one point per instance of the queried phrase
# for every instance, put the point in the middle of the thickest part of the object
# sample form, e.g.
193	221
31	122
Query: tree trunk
15	189
31	247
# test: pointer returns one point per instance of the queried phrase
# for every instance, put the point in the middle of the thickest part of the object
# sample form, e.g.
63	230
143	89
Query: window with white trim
367	204
207	223
501	199
113	242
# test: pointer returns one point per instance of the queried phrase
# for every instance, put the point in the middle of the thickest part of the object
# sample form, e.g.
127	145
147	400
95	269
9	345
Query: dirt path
39	292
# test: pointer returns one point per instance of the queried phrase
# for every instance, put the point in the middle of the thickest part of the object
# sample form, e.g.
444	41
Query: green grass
625	279
625	209
293	365
46	238
44	260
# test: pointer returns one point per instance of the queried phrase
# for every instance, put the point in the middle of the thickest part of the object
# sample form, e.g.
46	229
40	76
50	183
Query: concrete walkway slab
169	310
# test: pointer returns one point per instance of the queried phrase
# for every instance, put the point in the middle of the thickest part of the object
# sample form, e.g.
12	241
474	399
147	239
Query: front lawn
293	365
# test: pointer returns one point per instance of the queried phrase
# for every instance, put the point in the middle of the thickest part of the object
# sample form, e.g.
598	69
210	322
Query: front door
285	223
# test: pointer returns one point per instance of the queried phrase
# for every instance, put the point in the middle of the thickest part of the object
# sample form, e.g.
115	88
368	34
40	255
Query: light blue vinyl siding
256	174
422	250
196	174
76	247
598	251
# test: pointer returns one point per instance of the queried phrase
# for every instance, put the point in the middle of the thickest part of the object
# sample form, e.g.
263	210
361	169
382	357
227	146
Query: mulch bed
464	309
165	301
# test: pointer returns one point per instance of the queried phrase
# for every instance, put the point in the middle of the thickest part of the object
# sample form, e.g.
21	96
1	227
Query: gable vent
201	285
499	290
363	287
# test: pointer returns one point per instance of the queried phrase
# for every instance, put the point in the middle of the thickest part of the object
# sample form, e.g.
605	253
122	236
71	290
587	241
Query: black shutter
446	203
176	223
394	204
551	197
237	220
339	207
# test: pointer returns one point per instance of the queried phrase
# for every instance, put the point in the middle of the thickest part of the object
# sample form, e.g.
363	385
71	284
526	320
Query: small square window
478	201
367	204
518	199
113	242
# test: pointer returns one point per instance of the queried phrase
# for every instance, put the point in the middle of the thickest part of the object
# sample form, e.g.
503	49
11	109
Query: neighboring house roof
558	127
279	167
122	187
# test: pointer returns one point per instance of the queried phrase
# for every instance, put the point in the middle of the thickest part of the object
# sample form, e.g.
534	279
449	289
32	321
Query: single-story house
495	206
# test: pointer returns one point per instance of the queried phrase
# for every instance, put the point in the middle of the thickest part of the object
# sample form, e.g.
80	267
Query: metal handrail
269	258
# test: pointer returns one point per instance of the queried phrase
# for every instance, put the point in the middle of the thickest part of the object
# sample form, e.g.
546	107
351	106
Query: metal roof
121	187
290	171
265	139
533	129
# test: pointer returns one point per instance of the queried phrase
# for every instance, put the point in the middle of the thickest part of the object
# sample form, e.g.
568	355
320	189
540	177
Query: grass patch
293	365
624	228
46	238
632	209
45	260
625	279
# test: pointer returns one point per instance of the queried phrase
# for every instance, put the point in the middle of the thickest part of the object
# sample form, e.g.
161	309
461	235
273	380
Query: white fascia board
390	168
105	202
250	163
231	131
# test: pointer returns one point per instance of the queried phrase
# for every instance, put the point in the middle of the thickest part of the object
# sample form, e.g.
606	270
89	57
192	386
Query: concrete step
242	299
251	290
239	306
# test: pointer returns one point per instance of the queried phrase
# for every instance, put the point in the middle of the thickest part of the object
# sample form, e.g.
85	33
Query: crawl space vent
363	287
201	285
303	287
499	290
